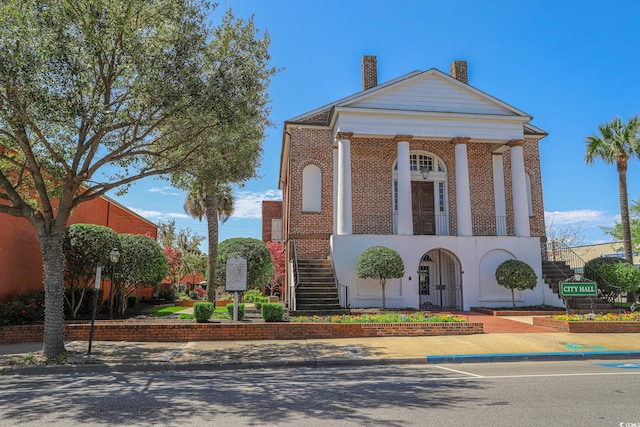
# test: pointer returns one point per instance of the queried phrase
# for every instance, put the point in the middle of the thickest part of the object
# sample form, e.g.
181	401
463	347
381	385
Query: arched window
427	167
311	189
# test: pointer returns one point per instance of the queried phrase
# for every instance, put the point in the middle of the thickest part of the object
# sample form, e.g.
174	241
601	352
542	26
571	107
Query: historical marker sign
578	289
236	274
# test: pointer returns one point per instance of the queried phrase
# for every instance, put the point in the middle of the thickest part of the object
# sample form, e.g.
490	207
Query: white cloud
248	204
585	216
177	215
145	213
167	191
157	214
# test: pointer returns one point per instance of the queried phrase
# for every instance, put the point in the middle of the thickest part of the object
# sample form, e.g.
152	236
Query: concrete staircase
316	293
553	272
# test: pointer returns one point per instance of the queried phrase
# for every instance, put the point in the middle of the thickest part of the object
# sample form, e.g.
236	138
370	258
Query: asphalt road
573	393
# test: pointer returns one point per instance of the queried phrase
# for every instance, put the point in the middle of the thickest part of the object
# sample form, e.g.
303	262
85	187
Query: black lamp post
115	256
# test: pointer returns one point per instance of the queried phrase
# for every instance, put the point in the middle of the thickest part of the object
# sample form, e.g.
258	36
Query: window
529	199
276	230
311	189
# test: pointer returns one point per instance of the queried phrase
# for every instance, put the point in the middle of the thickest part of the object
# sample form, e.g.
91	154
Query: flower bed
592	323
417	317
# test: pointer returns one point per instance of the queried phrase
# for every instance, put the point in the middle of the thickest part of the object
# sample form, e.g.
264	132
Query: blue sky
572	65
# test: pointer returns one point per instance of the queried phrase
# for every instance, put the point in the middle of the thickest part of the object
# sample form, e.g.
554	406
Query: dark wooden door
424	219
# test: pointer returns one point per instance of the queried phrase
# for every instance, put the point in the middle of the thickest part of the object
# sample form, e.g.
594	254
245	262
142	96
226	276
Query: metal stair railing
343	301
296	277
560	252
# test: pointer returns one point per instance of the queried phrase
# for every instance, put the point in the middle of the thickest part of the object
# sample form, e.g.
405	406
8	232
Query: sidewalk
522	342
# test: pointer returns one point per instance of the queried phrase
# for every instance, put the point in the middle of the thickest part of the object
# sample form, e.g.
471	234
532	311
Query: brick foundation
187	331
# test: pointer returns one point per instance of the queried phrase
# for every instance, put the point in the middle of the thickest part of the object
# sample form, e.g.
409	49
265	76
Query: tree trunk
211	213
384	297
53	261
513	298
624	217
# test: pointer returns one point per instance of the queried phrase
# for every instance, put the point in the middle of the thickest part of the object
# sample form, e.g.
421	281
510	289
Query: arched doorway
440	281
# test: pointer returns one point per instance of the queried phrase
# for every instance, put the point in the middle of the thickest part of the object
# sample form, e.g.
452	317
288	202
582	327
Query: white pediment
432	91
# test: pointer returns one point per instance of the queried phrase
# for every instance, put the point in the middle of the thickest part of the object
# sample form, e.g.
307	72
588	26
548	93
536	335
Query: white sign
98	274
236	274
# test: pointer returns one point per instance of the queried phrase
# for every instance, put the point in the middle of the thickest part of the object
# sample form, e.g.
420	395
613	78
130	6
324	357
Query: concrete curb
106	368
523	357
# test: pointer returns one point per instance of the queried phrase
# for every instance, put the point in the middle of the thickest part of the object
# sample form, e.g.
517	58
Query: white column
344	184
405	211
463	192
499	195
334	150
519	189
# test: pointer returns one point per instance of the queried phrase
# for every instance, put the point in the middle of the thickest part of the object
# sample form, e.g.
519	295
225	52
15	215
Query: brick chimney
369	72
458	70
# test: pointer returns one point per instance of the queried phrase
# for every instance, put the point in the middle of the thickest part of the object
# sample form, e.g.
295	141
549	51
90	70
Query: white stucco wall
478	256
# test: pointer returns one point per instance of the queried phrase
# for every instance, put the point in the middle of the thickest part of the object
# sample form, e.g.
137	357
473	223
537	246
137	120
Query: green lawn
163	310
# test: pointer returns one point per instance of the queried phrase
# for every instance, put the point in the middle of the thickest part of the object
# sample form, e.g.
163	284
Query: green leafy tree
214	205
256	252
97	94
613	276
142	263
617	142
85	247
514	274
634	226
381	264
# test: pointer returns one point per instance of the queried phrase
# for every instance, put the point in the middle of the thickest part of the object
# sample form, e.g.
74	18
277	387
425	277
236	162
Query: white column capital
344	135
403	138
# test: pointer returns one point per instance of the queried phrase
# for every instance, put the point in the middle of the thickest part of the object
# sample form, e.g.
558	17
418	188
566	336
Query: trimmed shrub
515	274
380	263
259	301
251	295
240	311
202	311
25	308
613	276
272	312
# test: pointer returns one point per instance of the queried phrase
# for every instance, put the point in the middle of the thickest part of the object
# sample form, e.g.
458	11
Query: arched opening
440	281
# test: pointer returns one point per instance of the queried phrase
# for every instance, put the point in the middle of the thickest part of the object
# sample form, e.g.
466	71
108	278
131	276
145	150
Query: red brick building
20	255
424	164
272	221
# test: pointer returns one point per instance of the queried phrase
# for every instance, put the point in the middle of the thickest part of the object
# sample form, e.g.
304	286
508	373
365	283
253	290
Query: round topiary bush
202	311
272	312
380	263
613	276
514	274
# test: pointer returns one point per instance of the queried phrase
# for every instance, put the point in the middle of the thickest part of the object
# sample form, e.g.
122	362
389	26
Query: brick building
427	165
271	221
20	255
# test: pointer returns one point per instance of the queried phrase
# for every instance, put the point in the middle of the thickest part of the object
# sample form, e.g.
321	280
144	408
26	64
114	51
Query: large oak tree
96	94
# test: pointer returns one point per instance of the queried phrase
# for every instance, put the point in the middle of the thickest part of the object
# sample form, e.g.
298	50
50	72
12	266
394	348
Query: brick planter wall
180	332
493	312
588	326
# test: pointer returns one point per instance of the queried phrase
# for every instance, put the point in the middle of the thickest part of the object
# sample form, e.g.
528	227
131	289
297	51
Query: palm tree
618	142
215	204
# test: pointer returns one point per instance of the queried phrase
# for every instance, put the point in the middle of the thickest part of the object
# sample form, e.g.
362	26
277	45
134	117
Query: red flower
23	312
